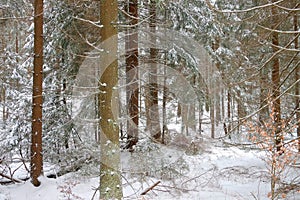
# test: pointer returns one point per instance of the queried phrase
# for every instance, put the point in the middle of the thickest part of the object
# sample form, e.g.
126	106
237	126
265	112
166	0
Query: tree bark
297	76
110	175
276	83
132	84
36	163
229	111
164	105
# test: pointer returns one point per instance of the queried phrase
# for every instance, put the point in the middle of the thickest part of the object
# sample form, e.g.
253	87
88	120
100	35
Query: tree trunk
165	95
215	97
264	112
222	104
240	109
276	83
192	110
132	84
3	100
229	112
164	107
153	96
200	113
218	108
297	86
212	116
36	163
147	106
110	175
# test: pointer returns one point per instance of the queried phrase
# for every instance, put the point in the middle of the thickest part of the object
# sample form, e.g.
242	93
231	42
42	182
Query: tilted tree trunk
110	175
36	163
154	127
132	74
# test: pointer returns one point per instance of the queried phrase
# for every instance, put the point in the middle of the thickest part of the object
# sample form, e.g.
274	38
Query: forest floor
216	170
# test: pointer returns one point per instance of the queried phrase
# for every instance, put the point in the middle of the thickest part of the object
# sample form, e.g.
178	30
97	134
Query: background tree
16	66
132	73
297	77
152	98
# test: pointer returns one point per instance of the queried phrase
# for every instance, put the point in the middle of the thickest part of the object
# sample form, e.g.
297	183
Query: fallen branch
213	168
10	178
180	189
74	167
150	188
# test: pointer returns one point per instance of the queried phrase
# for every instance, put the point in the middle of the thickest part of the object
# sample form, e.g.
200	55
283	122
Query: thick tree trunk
36	164
132	84
110	175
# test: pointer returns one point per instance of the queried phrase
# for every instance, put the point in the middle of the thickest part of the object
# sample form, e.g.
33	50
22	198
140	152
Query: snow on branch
243	10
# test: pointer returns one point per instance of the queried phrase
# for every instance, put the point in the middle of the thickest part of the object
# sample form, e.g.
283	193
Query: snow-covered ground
215	172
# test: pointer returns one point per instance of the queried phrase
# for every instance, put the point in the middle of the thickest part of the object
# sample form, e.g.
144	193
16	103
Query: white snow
217	173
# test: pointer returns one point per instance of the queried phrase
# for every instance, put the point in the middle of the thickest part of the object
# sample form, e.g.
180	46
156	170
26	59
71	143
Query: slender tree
297	77
276	79
153	90
36	163
110	178
132	91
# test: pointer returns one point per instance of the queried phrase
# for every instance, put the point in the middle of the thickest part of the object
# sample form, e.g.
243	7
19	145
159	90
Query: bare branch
10	178
278	31
150	188
89	21
244	10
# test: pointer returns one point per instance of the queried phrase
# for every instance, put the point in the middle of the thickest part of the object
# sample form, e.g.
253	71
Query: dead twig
196	177
179	189
150	188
